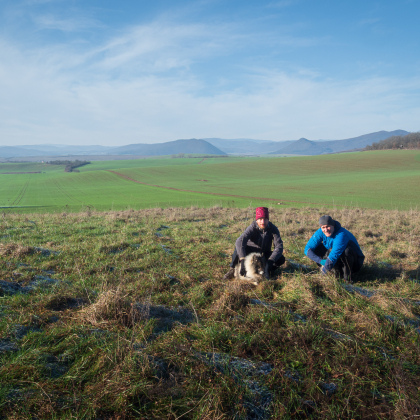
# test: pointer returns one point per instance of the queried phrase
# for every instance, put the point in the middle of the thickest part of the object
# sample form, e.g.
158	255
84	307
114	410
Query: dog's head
258	261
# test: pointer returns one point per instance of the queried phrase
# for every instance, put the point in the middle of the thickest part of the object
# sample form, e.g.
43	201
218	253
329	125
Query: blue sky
119	72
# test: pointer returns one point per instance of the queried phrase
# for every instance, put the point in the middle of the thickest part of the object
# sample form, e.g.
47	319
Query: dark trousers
249	249
348	262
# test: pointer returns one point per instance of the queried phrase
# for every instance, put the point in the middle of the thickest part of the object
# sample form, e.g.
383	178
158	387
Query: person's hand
323	262
243	269
268	268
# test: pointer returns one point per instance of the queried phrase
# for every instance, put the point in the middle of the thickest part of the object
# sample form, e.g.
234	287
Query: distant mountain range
208	146
248	146
194	146
308	147
51	150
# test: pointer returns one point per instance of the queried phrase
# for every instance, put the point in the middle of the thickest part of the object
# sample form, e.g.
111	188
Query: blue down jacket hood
337	242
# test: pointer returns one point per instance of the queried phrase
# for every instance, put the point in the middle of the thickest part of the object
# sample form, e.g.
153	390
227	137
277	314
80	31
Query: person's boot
230	274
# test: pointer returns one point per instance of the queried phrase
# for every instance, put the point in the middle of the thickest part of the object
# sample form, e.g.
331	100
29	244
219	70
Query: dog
255	268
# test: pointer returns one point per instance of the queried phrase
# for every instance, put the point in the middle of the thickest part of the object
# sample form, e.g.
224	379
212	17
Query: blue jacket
337	242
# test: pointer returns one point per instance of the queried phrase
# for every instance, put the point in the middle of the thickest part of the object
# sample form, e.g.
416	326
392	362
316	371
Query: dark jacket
337	242
262	239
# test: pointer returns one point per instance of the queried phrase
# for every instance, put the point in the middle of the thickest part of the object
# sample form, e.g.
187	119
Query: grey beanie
326	220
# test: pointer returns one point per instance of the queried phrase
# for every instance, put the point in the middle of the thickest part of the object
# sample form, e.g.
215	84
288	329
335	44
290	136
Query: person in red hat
258	237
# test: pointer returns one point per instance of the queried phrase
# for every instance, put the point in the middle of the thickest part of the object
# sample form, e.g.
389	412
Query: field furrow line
64	192
20	195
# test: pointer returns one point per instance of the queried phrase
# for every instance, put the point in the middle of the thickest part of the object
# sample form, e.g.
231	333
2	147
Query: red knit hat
261	212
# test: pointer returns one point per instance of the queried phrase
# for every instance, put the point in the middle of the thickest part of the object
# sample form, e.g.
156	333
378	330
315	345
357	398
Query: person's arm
315	240
243	240
278	244
339	245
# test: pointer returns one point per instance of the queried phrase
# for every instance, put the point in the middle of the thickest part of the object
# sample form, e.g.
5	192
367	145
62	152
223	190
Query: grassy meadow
381	179
124	314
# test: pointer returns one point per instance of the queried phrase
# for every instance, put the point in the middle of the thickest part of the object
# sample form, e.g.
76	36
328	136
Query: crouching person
345	256
258	237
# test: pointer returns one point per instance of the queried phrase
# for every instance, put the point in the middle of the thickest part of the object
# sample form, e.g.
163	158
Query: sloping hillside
10	151
410	141
191	146
308	147
248	146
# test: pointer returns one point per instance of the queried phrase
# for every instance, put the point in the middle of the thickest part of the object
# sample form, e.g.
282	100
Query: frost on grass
20	331
247	374
12	288
328	388
166	249
54	367
359	290
298	266
7	346
114	249
45	252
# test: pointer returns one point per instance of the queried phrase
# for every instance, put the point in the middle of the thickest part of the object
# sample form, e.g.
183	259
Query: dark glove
243	270
268	268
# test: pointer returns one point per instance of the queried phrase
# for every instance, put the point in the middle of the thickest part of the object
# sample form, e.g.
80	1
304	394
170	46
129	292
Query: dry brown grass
112	306
392	304
15	250
233	299
366	322
298	288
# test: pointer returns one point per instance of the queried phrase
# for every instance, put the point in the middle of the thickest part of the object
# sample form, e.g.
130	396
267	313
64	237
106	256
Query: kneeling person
258	237
345	256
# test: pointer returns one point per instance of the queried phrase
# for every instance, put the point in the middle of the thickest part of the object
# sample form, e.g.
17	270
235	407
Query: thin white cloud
73	24
282	4
140	86
38	2
369	21
152	109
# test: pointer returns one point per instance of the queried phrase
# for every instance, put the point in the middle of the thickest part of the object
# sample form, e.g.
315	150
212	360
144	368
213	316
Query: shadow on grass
414	274
380	272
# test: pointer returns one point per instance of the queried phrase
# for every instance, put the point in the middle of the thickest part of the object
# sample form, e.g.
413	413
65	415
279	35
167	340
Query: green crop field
381	179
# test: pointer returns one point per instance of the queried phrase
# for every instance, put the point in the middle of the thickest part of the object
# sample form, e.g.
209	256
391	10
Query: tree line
70	166
409	141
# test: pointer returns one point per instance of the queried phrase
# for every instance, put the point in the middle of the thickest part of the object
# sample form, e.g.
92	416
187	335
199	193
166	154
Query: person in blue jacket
345	256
